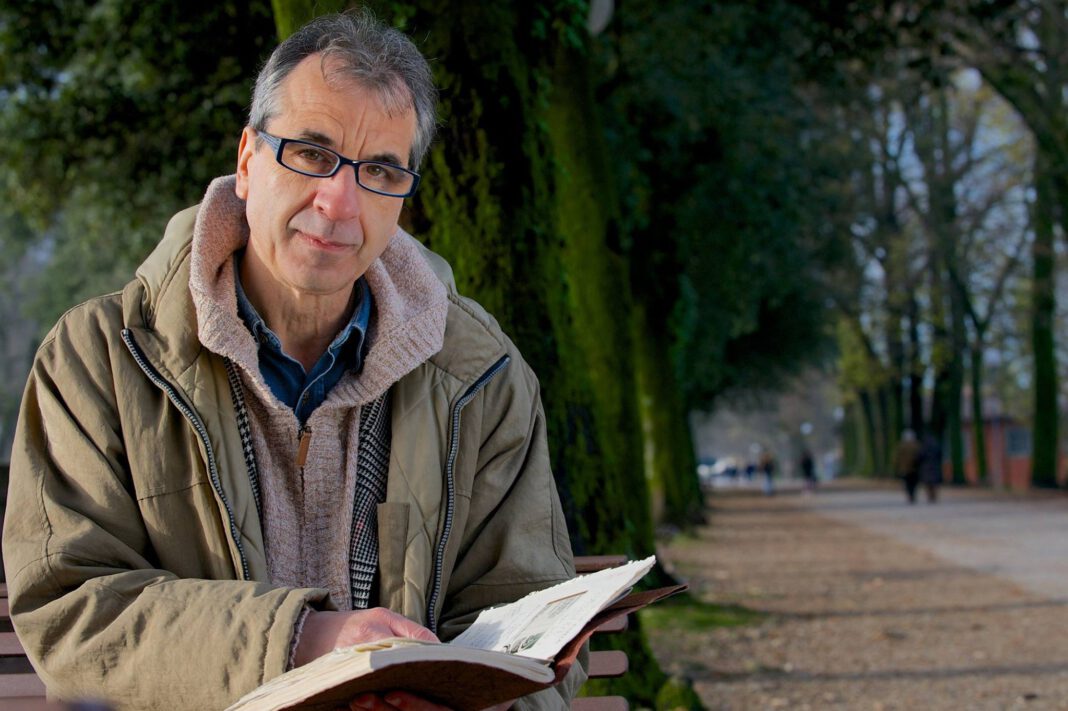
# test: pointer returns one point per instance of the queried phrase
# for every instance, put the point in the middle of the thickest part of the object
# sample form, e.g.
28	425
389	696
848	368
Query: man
288	433
907	463
929	466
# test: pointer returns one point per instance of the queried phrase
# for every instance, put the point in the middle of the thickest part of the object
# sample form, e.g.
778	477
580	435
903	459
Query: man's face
316	236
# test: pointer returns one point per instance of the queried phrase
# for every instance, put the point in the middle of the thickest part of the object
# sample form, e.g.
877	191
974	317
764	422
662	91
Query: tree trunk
850	434
916	369
1044	442
955	388
290	15
888	436
944	209
895	345
978	434
872	452
668	459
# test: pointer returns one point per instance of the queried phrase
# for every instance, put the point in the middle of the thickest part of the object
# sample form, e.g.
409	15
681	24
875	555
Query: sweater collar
407	324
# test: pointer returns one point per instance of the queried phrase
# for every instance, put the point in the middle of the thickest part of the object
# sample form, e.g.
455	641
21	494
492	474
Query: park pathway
872	604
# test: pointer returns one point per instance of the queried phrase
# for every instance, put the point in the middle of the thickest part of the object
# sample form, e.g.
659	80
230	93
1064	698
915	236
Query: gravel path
863	610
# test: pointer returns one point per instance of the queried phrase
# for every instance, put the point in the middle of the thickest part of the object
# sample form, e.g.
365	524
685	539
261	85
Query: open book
508	652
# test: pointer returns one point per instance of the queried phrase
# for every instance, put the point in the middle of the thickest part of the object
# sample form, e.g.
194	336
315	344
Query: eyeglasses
316	161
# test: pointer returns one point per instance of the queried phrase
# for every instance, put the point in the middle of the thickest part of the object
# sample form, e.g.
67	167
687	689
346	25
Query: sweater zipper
303	442
198	425
450	485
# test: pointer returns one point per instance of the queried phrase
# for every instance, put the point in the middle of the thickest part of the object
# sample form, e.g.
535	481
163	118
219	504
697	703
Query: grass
687	612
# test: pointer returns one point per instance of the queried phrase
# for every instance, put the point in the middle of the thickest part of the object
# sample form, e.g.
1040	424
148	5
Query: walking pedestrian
930	467
750	470
808	470
767	466
906	463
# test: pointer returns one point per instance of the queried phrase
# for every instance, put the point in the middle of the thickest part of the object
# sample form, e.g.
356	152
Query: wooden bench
21	689
605	664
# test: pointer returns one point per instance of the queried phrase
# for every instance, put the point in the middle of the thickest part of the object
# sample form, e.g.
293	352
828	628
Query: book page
539	624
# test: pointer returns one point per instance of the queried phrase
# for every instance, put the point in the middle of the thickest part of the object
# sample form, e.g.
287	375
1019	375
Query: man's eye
313	155
375	171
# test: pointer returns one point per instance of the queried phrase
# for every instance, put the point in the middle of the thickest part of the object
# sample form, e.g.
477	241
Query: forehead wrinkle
387	158
315	137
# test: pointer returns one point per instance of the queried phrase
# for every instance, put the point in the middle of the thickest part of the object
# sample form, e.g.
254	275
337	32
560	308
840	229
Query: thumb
403	627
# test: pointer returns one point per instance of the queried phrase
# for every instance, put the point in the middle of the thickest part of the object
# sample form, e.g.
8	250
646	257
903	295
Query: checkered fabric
372	469
237	395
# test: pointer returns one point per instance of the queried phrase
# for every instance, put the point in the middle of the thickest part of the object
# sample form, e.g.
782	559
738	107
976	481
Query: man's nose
338	197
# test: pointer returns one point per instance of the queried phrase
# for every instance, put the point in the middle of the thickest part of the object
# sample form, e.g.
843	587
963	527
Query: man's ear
245	149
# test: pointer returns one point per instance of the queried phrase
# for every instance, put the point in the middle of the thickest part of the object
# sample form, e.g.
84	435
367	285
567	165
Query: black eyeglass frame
278	143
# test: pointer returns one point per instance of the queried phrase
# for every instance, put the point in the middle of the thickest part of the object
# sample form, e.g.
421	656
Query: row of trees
940	232
957	200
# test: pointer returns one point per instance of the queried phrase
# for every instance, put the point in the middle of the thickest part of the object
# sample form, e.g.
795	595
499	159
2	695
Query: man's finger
401	626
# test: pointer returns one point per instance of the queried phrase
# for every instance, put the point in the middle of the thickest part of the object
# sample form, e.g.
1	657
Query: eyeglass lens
315	160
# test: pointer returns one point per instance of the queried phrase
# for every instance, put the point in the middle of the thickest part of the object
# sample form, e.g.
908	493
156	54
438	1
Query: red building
1008	454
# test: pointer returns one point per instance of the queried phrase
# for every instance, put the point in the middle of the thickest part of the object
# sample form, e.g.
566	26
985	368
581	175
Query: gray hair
377	56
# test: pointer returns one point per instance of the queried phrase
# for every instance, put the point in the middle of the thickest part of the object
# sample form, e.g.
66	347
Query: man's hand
326	631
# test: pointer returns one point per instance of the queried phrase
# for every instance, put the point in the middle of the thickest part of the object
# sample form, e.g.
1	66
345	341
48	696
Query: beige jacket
133	551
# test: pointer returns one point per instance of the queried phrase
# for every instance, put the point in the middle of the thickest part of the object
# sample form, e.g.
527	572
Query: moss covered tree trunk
289	15
669	460
519	202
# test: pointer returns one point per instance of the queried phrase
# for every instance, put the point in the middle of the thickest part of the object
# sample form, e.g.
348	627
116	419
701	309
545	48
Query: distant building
1008	453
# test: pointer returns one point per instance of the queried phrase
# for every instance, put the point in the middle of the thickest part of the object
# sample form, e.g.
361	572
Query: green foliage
676	694
717	158
687	612
290	15
114	115
21	263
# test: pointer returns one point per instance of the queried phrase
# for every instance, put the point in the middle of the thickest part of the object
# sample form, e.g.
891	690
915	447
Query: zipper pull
302	446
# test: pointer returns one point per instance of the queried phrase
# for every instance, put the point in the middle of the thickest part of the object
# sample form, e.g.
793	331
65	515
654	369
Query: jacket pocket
392	542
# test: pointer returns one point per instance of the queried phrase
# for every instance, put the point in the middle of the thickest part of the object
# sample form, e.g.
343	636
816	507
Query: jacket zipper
198	425
303	442
450	485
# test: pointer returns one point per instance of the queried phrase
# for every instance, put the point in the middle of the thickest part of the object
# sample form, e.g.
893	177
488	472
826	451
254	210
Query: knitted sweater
307	496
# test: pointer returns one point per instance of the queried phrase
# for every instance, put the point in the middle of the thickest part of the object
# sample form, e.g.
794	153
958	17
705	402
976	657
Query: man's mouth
324	244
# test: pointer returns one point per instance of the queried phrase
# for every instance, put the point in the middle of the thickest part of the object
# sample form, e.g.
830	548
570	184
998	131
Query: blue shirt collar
361	318
302	390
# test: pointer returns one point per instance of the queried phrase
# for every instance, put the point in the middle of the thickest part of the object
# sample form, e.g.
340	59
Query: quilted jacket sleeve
97	614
